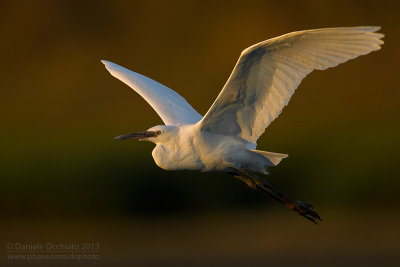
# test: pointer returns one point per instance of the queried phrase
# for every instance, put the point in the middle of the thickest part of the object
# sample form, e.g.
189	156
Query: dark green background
64	178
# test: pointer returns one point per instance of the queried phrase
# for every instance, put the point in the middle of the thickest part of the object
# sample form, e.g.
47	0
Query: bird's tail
273	158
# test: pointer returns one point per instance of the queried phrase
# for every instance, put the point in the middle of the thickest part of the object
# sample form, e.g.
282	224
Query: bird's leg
304	209
256	182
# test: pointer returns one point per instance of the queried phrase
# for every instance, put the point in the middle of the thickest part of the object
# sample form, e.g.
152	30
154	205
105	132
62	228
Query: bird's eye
158	132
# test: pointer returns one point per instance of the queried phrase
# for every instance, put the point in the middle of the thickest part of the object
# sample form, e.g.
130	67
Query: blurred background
64	179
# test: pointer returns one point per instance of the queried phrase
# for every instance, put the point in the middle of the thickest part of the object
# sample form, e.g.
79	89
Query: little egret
259	87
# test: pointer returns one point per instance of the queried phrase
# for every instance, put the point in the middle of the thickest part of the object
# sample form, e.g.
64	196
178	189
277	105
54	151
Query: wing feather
169	105
267	74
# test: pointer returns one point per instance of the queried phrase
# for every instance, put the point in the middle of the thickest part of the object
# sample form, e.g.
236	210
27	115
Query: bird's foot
304	209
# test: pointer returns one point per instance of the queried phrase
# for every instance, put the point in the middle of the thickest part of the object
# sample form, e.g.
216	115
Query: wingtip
374	28
110	65
368	28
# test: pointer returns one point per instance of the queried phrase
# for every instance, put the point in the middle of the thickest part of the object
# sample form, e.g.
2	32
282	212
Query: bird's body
261	84
188	148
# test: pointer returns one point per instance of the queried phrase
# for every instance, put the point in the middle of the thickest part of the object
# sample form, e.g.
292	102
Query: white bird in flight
259	87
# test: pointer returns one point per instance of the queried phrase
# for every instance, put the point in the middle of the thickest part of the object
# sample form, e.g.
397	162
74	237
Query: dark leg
256	182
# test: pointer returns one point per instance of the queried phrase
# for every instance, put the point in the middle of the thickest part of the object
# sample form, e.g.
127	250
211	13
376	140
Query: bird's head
156	134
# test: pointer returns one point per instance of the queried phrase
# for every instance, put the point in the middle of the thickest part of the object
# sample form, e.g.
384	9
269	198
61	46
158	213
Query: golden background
64	179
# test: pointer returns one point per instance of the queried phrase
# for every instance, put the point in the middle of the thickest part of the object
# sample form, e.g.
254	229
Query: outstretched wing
267	74
169	105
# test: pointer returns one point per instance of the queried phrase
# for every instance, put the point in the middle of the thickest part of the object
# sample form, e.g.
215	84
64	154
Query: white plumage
267	74
260	86
169	105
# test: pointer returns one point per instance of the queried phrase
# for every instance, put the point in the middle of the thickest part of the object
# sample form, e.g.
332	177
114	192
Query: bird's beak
138	136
